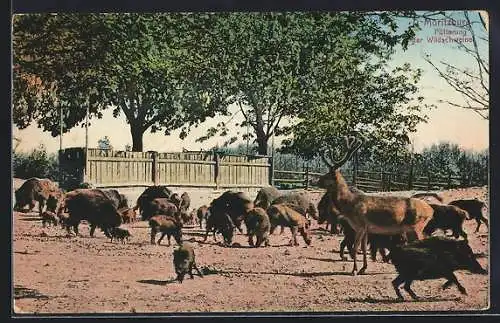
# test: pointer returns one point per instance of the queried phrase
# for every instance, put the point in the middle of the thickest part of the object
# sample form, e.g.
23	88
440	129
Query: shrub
37	163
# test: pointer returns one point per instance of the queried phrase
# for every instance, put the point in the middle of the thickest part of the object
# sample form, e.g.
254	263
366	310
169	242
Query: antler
353	144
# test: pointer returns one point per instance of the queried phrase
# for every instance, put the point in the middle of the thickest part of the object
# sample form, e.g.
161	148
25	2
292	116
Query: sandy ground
53	273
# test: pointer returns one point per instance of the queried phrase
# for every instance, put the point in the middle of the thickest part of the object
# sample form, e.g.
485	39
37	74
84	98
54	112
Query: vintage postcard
250	162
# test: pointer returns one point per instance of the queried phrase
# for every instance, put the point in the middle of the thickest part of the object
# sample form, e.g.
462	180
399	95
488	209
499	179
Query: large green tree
372	101
137	64
277	65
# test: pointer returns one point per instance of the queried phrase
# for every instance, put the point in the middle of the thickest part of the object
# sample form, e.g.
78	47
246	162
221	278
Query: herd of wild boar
400	229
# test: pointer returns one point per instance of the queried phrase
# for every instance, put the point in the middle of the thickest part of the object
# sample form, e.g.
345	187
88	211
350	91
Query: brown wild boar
35	190
167	225
128	214
258	224
184	261
285	215
185	201
202	214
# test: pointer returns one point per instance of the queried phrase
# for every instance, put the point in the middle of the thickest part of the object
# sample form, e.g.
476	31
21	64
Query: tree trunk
137	133
262	145
260	133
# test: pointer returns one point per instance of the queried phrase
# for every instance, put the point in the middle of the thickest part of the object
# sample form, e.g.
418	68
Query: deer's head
333	177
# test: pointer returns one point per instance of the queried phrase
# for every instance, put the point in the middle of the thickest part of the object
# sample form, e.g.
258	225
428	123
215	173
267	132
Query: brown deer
386	215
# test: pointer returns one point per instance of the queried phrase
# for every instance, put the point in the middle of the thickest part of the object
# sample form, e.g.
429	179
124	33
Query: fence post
449	180
410	176
154	155
271	171
388	182
428	181
307	176
216	169
354	169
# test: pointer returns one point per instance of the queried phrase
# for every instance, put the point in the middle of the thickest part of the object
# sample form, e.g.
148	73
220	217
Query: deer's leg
363	248
357	240
294	235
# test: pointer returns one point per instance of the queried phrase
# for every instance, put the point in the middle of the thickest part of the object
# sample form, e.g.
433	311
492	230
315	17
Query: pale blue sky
445	123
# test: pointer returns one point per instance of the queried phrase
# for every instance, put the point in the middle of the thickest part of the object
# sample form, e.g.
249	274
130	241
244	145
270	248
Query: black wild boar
119	234
432	258
258	224
50	218
119	200
328	213
475	210
184	261
149	194
222	223
447	217
234	204
52	203
176	200
91	205
286	216
167	225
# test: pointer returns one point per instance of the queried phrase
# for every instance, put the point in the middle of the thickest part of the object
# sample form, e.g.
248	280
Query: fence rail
106	168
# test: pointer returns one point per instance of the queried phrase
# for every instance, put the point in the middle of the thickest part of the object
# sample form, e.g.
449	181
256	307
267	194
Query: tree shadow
211	271
372	300
31	219
23	292
27	253
157	282
329	259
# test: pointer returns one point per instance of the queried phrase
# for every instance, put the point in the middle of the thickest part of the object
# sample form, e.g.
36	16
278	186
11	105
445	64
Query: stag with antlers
386	215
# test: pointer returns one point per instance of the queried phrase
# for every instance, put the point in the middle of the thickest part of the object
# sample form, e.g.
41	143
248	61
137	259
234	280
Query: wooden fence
109	168
369	181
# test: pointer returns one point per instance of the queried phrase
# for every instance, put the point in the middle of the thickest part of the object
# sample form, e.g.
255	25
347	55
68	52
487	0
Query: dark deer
386	215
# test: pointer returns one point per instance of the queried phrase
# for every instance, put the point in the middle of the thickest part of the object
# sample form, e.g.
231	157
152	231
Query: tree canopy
277	65
138	64
172	71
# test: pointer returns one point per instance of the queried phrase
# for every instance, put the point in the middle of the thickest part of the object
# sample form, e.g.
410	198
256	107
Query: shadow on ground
23	292
157	282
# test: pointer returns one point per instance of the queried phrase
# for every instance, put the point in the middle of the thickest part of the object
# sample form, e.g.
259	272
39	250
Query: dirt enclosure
53	273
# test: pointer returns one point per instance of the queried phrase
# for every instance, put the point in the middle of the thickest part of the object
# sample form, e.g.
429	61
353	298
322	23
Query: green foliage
138	64
380	105
36	163
449	159
277	65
